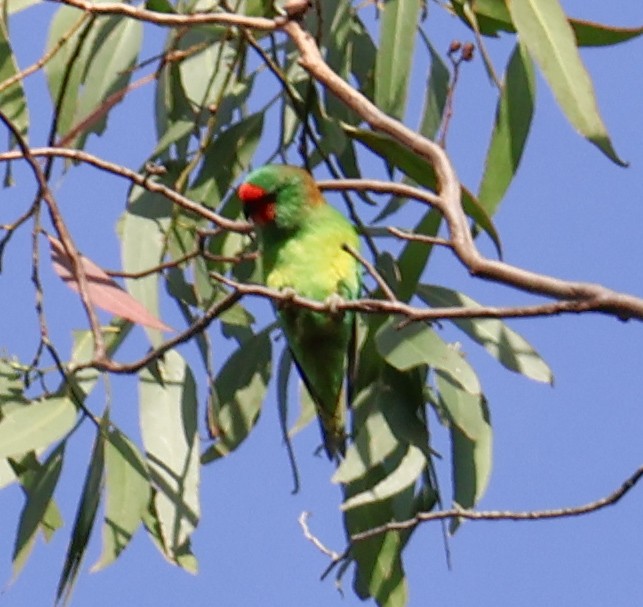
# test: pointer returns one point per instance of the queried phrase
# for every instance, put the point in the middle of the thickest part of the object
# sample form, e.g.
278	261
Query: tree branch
499	515
169	19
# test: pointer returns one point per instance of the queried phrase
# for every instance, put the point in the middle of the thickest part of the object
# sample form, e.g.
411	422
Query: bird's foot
288	294
333	302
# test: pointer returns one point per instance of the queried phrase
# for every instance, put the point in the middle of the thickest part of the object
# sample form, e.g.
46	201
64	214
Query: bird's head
279	195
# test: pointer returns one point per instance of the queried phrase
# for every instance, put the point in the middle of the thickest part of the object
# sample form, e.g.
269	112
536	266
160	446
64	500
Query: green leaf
503	343
11	382
492	16
471	442
12	99
39	486
241	387
159	6
169	408
398	25
414	256
14	6
7	475
127	496
143	228
226	157
35	426
421	172
113	55
596	34
83	351
513	121
417	344
435	97
374	442
379	572
85	516
405	475
545	31
68	66
387	419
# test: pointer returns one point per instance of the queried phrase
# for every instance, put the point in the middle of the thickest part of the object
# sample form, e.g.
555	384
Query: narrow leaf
422	173
471	442
35	426
39	488
102	290
398	26
12	98
417	344
113	54
545	31
503	343
513	121
437	88
143	228
85	517
127	490
597	34
241	387
405	475
168	408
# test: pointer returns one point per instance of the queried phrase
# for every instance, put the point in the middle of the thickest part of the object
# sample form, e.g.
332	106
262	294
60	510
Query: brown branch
64	236
370	268
138	179
382	306
582	296
46	57
404	235
499	515
171	19
197	327
104	107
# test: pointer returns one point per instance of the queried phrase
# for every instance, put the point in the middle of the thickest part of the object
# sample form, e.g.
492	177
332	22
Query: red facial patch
249	192
264	213
259	205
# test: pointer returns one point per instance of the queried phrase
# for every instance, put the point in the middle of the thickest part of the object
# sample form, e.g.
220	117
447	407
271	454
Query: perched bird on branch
302	240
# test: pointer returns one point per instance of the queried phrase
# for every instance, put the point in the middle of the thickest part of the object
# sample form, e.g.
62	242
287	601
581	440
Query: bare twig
138	179
370	268
499	515
303	522
64	236
46	57
194	329
404	235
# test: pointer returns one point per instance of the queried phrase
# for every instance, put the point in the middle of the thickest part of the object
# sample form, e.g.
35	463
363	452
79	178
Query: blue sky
570	213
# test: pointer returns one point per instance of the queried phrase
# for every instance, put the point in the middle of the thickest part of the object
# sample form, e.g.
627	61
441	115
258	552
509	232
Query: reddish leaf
103	292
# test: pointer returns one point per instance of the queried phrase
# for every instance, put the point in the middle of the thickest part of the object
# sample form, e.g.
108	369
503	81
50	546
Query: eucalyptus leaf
417	344
503	343
168	410
398	28
35	426
545	31
85	517
127	493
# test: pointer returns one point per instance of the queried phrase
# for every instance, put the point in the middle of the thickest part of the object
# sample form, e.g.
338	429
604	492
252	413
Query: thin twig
303	522
370	268
500	515
64	236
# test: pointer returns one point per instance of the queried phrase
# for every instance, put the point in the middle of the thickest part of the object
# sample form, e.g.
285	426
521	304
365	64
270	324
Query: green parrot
301	239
